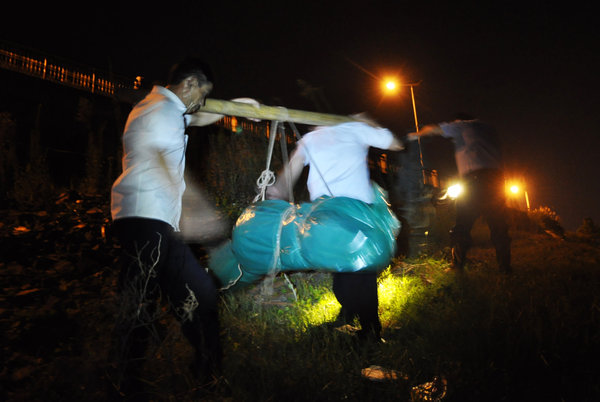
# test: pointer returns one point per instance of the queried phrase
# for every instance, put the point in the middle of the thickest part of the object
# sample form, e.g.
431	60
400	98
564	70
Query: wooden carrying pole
250	111
262	112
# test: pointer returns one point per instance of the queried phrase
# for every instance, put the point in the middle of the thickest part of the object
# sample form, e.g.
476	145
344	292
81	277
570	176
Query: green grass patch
491	337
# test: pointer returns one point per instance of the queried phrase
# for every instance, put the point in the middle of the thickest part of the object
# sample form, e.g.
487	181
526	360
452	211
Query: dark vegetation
529	336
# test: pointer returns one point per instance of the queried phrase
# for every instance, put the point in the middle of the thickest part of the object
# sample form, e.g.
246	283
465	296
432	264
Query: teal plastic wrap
334	234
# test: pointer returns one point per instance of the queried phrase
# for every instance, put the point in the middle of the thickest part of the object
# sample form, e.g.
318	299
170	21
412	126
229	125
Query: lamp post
390	85
412	95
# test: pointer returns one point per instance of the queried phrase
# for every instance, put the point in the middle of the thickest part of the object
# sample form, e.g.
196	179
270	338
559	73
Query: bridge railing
52	69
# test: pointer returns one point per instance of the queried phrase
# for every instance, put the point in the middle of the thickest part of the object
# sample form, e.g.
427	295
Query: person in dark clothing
146	205
479	161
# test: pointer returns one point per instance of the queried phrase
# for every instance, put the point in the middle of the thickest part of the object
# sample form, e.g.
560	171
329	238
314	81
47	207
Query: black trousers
357	293
158	266
484	196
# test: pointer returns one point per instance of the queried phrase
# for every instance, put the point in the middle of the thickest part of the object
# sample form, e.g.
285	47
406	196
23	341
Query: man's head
190	81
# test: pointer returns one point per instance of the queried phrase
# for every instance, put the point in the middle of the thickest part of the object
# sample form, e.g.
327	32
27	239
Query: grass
534	335
527	336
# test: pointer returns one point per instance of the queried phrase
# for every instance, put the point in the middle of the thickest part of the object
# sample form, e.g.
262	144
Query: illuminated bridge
32	63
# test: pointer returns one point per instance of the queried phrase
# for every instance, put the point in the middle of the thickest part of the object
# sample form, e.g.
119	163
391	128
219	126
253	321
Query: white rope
291	286
234	281
267	177
276	266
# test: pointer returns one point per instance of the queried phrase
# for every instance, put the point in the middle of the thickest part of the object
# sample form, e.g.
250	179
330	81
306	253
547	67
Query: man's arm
396	145
200	119
286	178
432	129
205	119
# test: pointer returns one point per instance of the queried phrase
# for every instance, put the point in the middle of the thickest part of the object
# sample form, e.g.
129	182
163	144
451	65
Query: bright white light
455	190
514	189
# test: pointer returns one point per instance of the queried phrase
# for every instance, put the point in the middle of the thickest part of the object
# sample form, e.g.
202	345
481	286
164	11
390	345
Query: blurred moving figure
480	166
337	157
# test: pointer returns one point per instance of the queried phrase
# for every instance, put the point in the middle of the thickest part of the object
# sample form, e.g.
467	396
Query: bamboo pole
263	112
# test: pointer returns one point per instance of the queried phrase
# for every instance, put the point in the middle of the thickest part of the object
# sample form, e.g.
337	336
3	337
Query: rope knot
266	179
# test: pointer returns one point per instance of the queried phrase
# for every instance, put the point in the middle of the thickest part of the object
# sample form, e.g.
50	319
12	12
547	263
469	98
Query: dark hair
190	67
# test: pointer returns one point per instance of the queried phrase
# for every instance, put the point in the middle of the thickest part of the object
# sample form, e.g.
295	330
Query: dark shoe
371	336
335	324
347	329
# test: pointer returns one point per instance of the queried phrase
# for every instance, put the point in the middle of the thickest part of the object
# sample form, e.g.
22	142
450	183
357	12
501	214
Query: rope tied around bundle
267	178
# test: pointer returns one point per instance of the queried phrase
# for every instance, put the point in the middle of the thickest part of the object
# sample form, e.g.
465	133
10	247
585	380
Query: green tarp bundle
333	234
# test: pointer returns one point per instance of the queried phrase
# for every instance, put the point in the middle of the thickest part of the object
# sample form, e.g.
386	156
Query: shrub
588	228
547	220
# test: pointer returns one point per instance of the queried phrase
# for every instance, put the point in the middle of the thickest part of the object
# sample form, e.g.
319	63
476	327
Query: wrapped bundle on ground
333	234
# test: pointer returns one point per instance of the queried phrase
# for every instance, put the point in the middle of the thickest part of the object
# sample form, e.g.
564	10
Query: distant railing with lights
62	72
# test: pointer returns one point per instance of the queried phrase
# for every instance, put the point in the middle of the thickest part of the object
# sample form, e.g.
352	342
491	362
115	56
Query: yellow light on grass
394	292
514	189
326	309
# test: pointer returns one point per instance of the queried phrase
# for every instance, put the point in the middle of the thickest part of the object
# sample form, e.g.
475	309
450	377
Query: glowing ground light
394	293
514	189
324	310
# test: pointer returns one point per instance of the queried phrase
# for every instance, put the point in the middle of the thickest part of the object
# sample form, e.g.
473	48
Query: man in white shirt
480	165
338	160
146	205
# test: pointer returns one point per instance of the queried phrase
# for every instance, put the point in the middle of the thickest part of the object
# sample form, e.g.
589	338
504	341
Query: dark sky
531	70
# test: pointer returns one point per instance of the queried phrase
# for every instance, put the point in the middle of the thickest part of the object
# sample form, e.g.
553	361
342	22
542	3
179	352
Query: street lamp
391	84
515	189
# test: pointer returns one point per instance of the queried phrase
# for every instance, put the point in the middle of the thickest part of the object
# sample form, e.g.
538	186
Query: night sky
531	70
